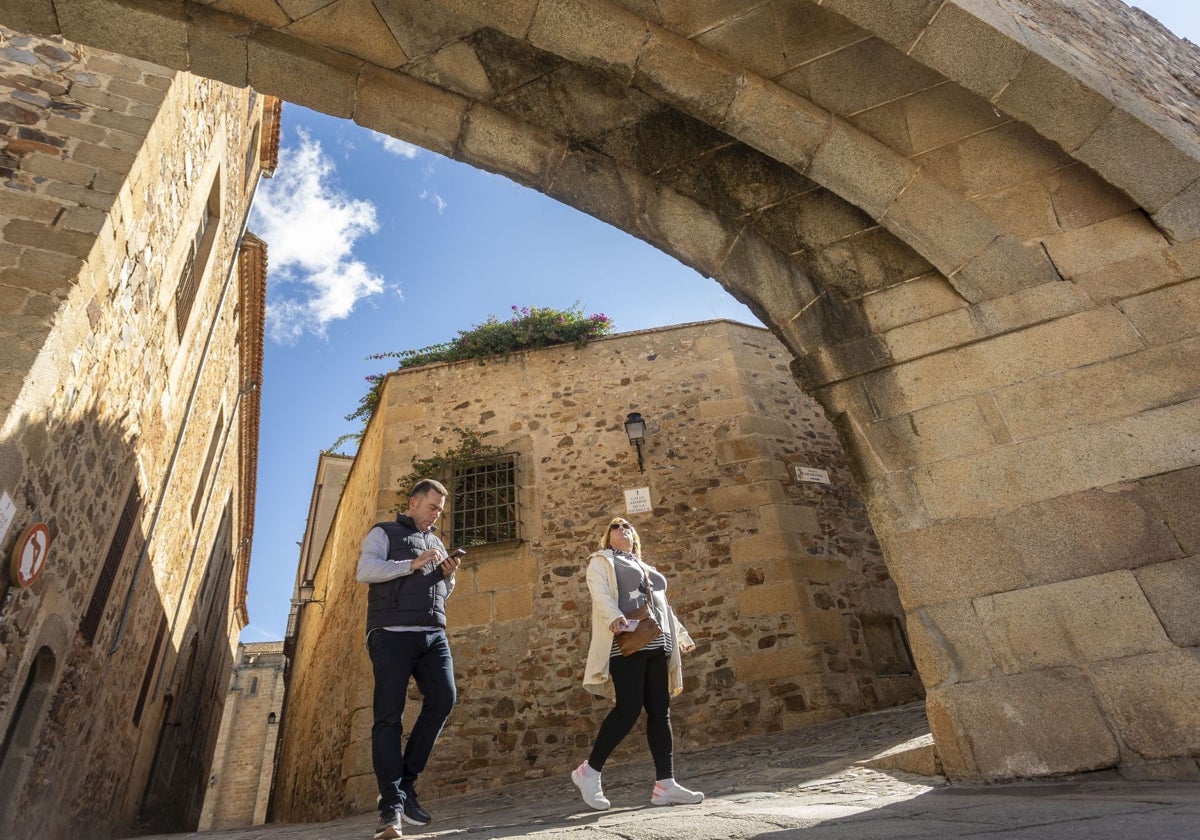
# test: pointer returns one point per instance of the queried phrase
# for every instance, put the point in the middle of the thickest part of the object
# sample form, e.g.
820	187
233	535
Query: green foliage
441	467
527	328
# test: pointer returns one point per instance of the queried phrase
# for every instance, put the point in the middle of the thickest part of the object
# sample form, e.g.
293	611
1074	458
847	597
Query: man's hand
429	555
450	563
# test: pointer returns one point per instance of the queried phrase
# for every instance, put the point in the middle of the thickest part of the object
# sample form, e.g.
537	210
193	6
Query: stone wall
780	581
121	427
243	765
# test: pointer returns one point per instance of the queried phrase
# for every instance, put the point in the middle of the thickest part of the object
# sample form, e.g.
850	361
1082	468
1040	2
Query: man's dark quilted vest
416	600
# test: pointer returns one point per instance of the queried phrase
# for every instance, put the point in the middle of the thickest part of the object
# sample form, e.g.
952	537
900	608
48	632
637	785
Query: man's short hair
426	486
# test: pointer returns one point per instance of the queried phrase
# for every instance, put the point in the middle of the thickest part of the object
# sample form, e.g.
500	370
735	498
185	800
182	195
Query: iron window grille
483	504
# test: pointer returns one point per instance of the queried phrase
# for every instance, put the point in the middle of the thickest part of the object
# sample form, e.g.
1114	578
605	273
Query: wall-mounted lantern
307	590
635	429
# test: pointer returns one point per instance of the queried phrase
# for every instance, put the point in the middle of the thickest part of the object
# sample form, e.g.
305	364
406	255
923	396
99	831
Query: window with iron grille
483	504
112	562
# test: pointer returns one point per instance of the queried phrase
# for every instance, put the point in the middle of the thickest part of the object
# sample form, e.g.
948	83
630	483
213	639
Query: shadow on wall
102	720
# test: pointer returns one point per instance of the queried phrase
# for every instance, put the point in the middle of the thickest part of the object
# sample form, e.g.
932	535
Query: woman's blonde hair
606	541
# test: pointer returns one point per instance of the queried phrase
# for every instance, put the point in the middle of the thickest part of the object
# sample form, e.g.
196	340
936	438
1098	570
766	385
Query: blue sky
375	245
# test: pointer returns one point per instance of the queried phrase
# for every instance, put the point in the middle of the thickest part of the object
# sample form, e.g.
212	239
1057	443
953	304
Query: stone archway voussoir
512	17
317	78
218	46
155	32
410	110
30	15
588	33
681	73
499	142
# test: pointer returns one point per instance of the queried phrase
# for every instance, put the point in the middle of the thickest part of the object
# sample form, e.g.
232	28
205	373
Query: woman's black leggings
640	681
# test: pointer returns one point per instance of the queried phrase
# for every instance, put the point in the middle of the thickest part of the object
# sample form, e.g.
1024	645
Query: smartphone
458	552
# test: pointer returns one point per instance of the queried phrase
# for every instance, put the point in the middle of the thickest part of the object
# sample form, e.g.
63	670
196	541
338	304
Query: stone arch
39	682
976	225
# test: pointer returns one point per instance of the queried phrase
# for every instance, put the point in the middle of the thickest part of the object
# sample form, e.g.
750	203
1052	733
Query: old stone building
243	765
974	225
745	502
130	355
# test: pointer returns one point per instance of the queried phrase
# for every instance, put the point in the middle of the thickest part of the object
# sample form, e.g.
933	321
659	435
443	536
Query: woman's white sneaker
670	792
588	782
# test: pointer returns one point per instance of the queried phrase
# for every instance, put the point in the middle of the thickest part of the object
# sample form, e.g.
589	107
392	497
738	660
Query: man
410	577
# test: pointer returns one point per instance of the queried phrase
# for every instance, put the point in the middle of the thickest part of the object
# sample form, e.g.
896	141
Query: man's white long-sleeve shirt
374	567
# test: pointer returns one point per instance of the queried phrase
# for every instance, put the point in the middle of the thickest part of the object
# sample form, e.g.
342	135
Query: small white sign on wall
8	512
812	474
637	500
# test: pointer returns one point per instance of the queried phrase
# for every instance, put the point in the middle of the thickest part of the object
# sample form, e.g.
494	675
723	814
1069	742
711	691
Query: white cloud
396	147
435	199
310	228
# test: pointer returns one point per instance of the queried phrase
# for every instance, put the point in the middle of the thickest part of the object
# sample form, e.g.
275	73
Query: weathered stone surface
354	27
1000	157
1152	168
982	564
978	56
1102	244
948	644
1152	700
1173	590
1176	493
594	35
1089	619
1152	378
899	25
1087	534
1045	94
859	77
752	39
682	73
1080	198
394	104
1128	277
155	32
1067	343
861	171
1038	724
311	76
498	142
1180	217
1062	463
1166	315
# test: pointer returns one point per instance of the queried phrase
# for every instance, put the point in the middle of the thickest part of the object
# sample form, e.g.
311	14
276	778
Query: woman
619	583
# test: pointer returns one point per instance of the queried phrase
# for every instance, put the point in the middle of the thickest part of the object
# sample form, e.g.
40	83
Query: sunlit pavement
799	784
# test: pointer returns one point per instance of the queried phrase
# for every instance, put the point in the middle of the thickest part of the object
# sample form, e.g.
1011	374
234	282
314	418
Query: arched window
271	719
253	687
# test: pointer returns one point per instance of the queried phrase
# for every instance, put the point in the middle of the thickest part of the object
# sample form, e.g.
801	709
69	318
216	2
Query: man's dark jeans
395	657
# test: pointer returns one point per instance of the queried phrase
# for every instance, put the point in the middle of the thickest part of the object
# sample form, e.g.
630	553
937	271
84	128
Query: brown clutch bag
646	632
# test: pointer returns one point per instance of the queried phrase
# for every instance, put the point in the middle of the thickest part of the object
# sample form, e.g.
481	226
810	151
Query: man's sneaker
389	825
588	782
414	814
670	792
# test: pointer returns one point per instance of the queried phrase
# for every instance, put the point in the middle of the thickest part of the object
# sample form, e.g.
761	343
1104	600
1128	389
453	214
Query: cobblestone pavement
799	784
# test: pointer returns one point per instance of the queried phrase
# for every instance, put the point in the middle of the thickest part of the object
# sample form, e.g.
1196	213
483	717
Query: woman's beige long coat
602	584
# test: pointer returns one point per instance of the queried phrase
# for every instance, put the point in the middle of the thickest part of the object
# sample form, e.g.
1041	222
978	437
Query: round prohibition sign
29	555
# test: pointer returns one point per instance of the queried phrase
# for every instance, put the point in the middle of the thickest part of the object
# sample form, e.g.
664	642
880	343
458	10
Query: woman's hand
687	647
619	625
